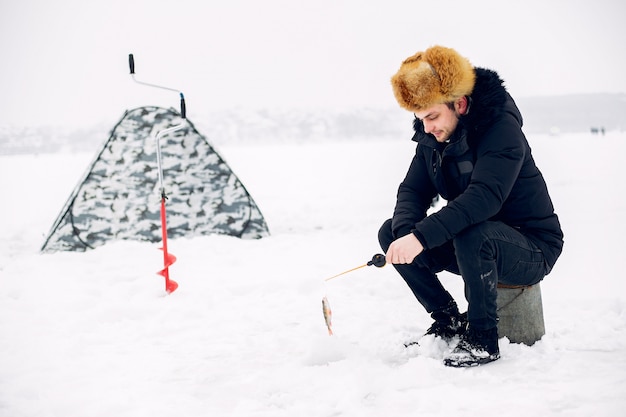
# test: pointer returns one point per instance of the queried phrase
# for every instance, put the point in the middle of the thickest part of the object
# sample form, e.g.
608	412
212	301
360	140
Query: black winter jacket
486	172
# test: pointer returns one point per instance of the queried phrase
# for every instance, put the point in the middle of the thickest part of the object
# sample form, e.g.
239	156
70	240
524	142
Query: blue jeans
484	255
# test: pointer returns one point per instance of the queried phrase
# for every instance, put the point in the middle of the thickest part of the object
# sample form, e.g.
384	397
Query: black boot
448	323
475	348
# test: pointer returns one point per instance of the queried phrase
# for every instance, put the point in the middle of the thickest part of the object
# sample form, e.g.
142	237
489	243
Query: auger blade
170	286
168	260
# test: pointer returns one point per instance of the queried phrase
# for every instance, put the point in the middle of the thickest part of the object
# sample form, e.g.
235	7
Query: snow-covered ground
94	334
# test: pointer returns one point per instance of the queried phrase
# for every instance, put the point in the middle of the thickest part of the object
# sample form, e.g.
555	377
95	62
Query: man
498	224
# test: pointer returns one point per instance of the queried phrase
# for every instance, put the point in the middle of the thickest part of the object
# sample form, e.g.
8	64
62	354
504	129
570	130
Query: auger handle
183	107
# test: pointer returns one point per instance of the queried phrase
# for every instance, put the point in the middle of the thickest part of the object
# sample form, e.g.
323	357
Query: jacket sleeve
499	157
415	195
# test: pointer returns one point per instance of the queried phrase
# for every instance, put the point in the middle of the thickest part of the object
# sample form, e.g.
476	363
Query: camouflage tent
119	196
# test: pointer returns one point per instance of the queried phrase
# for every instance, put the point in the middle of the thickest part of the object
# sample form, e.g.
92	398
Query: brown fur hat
437	75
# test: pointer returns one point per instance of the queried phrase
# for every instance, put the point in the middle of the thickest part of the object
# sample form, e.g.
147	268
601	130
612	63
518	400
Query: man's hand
404	250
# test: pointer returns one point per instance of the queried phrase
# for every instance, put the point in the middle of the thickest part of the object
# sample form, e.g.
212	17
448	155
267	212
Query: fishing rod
377	260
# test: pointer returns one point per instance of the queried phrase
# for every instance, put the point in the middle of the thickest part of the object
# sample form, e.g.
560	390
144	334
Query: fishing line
377	260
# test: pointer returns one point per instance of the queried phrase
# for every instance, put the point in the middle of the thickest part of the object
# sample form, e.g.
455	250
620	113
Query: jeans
484	255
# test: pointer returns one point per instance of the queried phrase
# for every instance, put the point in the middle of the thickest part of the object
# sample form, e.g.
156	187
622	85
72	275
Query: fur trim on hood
489	101
436	76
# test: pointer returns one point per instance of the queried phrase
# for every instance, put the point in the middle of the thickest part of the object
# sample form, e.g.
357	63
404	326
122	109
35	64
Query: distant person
499	223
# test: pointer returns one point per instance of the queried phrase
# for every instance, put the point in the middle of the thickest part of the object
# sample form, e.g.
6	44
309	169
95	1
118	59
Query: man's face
439	120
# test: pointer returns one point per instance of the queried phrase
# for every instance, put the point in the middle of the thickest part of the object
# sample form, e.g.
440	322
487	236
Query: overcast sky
66	62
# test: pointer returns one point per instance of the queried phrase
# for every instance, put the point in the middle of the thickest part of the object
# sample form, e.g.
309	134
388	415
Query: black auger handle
183	107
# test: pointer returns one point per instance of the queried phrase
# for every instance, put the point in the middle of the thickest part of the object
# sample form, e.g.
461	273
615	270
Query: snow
95	334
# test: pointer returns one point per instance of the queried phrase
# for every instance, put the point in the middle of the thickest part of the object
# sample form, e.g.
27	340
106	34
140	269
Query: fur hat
437	75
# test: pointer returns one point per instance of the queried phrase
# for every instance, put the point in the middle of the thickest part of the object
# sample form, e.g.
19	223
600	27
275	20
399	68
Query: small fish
328	315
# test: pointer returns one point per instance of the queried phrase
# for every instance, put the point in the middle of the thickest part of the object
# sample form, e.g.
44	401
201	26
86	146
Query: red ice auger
168	258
